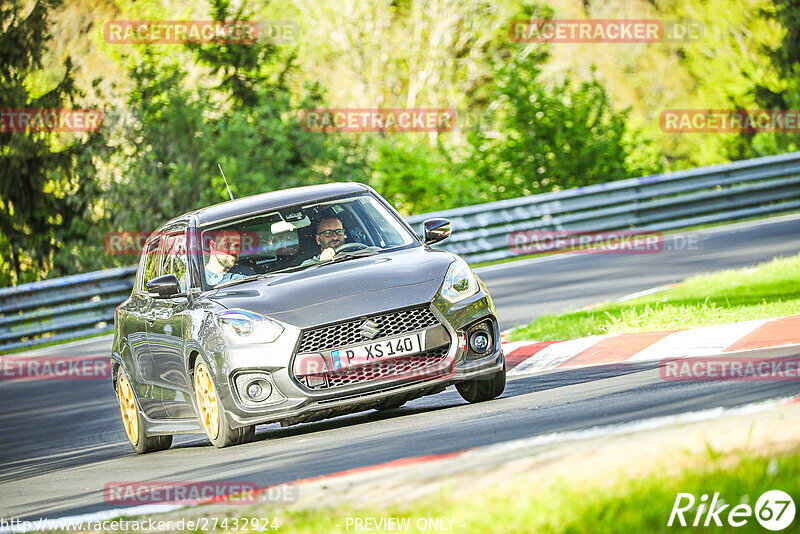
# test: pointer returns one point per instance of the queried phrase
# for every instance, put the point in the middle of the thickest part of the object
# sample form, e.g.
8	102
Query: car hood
329	293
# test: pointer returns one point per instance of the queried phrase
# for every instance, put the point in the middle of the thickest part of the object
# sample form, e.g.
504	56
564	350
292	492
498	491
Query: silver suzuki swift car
295	306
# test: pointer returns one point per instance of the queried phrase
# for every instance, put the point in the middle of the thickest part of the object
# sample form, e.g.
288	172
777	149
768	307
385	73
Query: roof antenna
226	181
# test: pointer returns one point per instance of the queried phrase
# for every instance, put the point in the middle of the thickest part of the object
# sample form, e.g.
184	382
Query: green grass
770	289
624	505
53	343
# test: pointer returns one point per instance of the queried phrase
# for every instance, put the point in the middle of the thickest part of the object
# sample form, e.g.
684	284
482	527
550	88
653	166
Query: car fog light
480	342
254	390
258	390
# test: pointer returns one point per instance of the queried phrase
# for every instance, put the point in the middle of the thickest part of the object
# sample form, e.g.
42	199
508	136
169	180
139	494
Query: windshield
297	238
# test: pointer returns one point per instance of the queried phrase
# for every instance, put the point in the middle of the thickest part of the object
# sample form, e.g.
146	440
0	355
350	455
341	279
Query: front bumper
296	403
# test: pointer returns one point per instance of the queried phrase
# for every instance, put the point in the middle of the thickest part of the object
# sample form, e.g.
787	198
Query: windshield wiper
348	256
248	278
336	259
291	269
251	277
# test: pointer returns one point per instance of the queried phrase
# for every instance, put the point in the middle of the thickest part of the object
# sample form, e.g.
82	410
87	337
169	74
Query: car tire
133	421
248	434
212	414
390	405
480	390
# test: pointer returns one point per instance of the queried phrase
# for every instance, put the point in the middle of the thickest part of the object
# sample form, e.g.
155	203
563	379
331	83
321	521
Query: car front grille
340	335
424	366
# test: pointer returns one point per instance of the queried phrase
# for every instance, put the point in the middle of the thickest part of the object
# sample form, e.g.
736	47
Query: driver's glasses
331	233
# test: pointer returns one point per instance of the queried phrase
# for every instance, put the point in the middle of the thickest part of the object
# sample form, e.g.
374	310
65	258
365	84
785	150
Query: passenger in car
224	250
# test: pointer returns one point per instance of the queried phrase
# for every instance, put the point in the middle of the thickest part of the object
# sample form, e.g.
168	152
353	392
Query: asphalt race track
62	441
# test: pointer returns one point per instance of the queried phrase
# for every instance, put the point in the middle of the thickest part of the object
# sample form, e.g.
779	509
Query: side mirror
436	230
163	287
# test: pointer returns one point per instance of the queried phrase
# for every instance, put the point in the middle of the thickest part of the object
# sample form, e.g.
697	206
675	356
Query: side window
175	260
152	262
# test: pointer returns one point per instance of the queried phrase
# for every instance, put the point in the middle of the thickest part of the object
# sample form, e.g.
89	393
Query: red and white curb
525	357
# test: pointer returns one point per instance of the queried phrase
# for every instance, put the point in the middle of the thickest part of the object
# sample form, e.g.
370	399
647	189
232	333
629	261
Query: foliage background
532	118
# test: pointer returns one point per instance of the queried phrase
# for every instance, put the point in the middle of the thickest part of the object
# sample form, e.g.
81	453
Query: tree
417	178
159	175
785	58
547	137
403	53
259	137
248	122
41	189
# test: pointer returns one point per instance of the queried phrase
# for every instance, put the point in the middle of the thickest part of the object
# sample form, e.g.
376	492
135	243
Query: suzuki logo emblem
369	329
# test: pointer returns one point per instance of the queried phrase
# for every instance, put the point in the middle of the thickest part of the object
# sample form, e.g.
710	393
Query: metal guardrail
73	306
62	308
717	193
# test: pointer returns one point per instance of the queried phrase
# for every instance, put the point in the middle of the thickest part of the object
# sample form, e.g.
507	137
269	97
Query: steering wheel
349	247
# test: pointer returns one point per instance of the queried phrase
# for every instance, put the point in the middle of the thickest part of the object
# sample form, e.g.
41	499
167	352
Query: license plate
379	350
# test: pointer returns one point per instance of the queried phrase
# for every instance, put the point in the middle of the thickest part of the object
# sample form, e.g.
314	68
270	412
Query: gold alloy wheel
127	405
206	400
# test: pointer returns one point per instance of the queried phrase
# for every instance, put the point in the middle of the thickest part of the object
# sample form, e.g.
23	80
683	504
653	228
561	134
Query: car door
144	373
165	329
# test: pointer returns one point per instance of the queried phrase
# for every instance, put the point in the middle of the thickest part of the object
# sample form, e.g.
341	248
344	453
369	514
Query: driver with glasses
330	234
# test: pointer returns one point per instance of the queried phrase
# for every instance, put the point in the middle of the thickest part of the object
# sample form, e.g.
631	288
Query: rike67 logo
774	510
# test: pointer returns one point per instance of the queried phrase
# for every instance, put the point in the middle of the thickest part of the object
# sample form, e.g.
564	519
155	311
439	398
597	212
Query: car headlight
459	282
242	326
